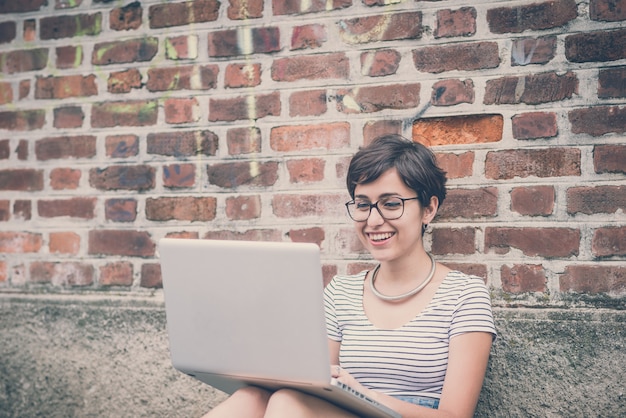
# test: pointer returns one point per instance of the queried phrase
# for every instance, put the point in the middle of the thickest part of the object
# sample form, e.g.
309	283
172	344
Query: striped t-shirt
410	360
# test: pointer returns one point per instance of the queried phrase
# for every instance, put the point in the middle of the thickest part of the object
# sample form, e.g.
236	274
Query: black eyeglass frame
375	205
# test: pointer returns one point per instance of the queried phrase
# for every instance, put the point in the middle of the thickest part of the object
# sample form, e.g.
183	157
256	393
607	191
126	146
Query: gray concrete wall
107	356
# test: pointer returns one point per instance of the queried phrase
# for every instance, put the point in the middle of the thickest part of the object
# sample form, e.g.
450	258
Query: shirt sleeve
332	325
473	310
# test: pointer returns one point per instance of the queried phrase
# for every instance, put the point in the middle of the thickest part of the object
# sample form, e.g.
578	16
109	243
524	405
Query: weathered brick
380	63
532	89
311	67
289	7
249	235
542	242
470	203
227	43
240	208
20	242
183	13
533	200
609	159
536	16
181	110
64	243
187	208
311	36
459	57
181	47
82	146
452	92
188	77
304	205
8	32
609	241
129	113
123	52
70	56
5	210
242	75
473	269
549	162
612	82
22	210
62	274
593	279
313	235
30	30
124	81
244	107
20	61
6	93
127	17
607	10
467	129
598	46
533	50
179	175
116	274
377	98
243	173
308	103
453	241
62	178
121	146
523	278
599	120
306	137
598	199
120	210
22	120
68	117
121	242
374	129
23	89
456	166
243	140
306	170
3	272
76	207
5	149
387	27
24	179
122	177
151	276
534	125
244	9
69	26
451	23
183	143
65	86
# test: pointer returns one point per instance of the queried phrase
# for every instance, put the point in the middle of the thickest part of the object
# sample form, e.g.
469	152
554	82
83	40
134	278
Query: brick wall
124	122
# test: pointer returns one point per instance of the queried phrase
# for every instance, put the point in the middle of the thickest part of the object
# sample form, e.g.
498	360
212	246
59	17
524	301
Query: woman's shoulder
457	281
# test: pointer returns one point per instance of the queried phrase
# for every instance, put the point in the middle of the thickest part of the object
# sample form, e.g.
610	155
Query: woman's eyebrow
382	196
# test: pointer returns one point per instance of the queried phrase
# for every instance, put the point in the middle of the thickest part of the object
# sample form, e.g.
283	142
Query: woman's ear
431	210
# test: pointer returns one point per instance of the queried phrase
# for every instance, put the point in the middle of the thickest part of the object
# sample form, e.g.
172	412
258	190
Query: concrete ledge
77	356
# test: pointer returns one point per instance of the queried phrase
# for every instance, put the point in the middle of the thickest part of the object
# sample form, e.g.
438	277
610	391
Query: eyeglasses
389	208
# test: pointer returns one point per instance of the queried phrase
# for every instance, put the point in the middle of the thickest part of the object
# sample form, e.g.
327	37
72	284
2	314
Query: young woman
411	333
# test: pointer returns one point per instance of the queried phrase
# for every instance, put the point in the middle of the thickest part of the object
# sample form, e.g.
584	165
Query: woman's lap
420	400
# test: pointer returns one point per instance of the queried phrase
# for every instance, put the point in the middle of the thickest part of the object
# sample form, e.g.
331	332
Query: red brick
8	32
64	243
451	23
305	205
5	210
548	162
183	144
188	208
20	242
22	150
244	9
235	174
188	77
124	52
459	57
542	242
66	86
243	140
307	137
181	110
3	272
121	242
593	279
65	147
453	241
68	117
597	121
122	177
607	10
30	30
380	63
116	274
531	89
311	67
183	13
387	27
24	89
122	146
62	178
311	36
6	93
226	43
377	98
5	149
289	7
124	81
598	46
374	129
609	159
181	47
129	113
308	103
62	274
240	208
151	276
23	179
306	170
70	56
179	175
120	210
612	82
22	210
19	61
22	120
77	207
535	16
479	270
242	75
533	50
533	200
244	107
456	165
452	92
69	26
467	129
609	241
127	17
313	235
249	235
523	278
470	203
534	125
598	199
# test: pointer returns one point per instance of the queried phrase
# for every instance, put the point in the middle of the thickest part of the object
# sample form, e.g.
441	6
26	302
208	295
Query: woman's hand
344	377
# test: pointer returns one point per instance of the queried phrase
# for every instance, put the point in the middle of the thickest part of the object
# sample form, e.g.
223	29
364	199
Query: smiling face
390	240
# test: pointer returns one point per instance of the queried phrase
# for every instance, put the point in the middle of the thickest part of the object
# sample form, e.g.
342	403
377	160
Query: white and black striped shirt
410	360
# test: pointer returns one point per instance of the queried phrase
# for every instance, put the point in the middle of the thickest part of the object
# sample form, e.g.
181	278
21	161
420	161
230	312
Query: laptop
252	313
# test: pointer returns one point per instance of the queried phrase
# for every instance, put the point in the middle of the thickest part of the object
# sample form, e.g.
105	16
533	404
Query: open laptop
251	313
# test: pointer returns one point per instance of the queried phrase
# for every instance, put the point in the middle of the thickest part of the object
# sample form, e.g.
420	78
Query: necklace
403	295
